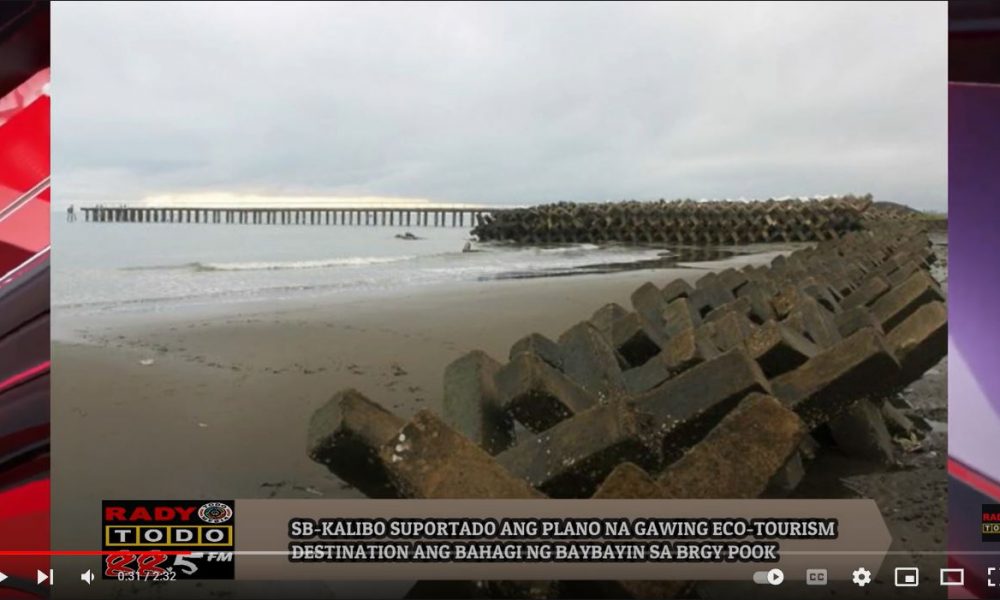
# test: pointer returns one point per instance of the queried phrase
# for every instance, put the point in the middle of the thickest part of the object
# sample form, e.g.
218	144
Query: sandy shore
222	410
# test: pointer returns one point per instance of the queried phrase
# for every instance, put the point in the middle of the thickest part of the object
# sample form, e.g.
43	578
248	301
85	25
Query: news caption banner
169	540
556	539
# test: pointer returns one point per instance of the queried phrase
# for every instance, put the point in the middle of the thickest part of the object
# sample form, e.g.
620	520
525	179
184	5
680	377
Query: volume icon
86	577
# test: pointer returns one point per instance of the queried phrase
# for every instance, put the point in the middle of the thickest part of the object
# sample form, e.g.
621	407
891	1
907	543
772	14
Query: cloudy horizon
509	104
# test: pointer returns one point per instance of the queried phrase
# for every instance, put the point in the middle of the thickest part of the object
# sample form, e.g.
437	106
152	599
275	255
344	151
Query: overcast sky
508	104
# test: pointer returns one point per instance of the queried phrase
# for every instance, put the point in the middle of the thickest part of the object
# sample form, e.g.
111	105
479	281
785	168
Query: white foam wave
351	261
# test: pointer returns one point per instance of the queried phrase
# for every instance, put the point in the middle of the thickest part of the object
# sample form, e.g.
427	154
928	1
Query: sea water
107	268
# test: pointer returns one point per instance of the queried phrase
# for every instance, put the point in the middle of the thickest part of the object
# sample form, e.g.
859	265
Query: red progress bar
90	552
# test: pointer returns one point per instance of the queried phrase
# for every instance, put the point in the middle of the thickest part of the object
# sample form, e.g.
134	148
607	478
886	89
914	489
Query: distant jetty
676	222
685	222
365	216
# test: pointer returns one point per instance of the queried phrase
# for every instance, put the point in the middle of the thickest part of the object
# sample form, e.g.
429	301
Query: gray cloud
501	103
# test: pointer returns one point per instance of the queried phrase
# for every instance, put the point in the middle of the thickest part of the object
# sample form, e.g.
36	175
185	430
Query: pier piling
370	217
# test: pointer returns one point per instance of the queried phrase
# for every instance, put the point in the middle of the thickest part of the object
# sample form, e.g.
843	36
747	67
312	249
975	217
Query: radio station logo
161	540
991	522
215	512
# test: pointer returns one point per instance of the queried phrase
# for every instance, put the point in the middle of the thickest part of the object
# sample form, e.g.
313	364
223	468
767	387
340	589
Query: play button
2	576
775	576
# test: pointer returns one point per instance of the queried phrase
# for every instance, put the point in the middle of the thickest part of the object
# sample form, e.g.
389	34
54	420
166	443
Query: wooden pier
392	217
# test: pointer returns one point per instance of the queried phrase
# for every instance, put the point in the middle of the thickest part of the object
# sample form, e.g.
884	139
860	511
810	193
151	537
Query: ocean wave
323	263
183	267
350	261
571	248
112	304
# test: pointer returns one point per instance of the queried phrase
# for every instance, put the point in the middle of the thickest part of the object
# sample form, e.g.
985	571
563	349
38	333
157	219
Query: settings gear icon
861	577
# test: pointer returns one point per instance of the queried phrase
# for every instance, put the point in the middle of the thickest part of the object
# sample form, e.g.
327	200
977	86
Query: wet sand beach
217	405
222	409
